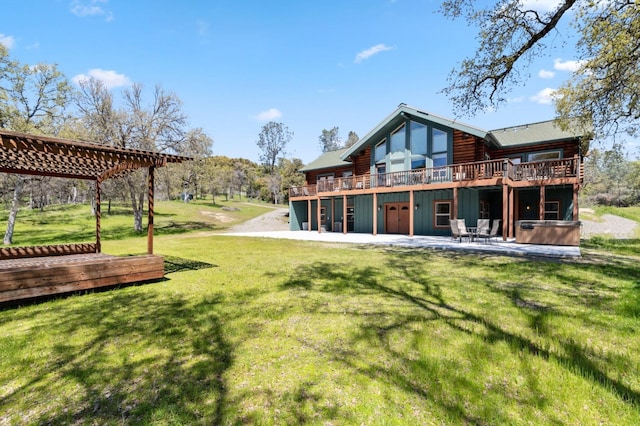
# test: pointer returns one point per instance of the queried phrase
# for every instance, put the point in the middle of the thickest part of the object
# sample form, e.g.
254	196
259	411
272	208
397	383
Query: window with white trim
442	213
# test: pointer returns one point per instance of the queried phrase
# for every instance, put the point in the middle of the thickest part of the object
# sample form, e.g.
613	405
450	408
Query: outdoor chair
464	232
458	229
493	233
483	226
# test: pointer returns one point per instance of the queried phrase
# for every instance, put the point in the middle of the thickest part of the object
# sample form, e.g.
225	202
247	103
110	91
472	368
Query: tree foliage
273	140
330	140
611	178
352	139
603	93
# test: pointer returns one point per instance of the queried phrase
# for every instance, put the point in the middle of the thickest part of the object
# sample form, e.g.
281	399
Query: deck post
98	216
507	200
319	213
455	202
375	213
150	212
411	212
576	189
309	215
344	214
542	202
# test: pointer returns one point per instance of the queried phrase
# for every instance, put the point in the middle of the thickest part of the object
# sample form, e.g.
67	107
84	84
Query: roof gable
327	160
398	116
545	131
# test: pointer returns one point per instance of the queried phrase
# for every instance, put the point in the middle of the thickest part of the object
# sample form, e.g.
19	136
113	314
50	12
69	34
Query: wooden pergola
27	272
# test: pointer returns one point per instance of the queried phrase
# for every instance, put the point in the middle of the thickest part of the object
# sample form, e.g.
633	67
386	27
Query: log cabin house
415	170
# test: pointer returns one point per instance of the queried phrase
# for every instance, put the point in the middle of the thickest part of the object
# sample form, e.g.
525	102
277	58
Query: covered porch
503	178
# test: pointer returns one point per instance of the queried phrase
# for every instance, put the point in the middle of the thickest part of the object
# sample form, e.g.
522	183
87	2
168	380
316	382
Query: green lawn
261	331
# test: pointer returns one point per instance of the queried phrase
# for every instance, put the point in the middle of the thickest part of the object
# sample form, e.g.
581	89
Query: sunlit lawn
75	223
253	331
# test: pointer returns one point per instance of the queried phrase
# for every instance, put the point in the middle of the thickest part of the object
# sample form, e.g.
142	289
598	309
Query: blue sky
311	65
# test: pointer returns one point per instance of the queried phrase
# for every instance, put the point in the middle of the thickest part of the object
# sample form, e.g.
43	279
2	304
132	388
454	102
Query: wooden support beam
375	213
151	210
576	210
411	212
344	214
98	215
455	202
506	217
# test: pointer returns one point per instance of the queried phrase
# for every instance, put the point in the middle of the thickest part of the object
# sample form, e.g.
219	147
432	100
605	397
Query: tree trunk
17	191
137	204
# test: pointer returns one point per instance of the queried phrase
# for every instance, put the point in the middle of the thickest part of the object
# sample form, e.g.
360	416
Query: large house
415	171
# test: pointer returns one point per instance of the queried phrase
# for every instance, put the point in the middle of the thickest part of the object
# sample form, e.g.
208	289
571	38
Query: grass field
253	331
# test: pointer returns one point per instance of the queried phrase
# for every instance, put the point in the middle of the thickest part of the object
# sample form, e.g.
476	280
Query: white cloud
268	115
110	78
545	96
517	99
83	8
571	66
546	74
8	41
541	5
366	54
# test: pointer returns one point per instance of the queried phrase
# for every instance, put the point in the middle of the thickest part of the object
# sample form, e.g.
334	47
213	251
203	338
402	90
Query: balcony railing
477	171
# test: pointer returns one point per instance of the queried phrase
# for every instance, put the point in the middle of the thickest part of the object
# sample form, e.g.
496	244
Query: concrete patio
509	248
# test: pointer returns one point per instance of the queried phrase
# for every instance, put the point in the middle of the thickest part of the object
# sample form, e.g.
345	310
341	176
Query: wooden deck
26	278
477	174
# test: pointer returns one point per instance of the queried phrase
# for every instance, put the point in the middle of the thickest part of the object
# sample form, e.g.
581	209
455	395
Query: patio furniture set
459	230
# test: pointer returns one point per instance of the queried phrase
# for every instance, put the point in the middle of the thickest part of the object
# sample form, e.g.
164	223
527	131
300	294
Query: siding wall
467	148
312	176
568	148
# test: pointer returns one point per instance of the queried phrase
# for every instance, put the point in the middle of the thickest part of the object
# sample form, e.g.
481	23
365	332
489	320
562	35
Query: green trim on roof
545	131
327	160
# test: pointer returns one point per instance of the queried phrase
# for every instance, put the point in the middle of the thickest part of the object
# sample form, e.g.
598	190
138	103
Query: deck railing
477	171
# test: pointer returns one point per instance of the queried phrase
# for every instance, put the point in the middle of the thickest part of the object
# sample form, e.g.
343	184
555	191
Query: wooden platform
26	278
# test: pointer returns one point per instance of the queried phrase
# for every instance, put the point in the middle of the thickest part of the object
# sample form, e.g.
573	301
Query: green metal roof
545	131
327	160
398	116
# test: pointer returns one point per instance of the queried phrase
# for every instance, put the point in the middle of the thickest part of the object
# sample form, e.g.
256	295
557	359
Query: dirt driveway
275	220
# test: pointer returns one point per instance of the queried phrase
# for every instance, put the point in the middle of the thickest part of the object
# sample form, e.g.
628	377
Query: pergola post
150	213
98	216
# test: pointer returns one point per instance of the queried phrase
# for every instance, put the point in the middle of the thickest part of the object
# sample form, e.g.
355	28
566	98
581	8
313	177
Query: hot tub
553	232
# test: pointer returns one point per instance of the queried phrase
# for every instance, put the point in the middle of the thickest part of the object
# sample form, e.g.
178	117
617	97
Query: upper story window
418	136
398	139
546	155
381	151
439	141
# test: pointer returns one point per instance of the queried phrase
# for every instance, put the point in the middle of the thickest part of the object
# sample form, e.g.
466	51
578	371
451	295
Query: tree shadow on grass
178	264
423	298
142	358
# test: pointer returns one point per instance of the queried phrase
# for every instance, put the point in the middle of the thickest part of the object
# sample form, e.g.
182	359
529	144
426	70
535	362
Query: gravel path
275	220
611	226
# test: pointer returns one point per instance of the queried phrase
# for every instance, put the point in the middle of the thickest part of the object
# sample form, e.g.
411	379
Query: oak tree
602	93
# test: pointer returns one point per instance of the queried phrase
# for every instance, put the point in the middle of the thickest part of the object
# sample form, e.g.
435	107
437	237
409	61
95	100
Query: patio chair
464	232
458	229
483	226
493	233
